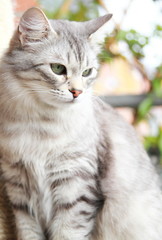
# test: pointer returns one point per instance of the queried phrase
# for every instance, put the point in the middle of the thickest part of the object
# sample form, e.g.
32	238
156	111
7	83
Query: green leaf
157	86
159	28
121	35
160	141
144	108
105	56
150	142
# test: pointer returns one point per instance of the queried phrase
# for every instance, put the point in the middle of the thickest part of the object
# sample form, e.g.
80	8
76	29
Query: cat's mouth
76	99
67	96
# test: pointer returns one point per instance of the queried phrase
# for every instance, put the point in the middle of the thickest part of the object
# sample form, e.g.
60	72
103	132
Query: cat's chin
60	102
70	100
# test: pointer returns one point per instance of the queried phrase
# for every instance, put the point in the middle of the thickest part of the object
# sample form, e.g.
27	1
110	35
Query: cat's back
128	180
128	162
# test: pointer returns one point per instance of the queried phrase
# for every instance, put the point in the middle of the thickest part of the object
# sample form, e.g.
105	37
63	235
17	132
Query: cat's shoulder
111	121
105	110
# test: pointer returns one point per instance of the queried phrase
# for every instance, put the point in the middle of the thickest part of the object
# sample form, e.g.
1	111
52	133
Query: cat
73	168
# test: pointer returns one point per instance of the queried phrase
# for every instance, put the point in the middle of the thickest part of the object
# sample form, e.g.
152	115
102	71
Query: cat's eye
58	69
87	72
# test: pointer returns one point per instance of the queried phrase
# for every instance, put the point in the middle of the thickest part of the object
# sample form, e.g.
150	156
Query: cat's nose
76	92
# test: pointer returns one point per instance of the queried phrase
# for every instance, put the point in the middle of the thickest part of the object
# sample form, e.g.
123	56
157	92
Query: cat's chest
41	139
74	171
45	140
34	142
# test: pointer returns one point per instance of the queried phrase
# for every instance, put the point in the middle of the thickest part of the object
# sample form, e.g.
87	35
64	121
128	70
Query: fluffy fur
73	169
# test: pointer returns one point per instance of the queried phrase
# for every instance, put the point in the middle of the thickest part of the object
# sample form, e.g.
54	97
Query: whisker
38	91
28	92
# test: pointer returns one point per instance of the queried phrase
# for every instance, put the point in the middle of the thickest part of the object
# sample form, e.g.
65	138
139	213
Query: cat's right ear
33	27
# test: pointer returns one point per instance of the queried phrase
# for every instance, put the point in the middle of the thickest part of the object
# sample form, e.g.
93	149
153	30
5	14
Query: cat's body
74	170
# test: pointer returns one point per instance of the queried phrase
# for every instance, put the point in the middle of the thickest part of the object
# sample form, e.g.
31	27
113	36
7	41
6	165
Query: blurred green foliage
158	31
81	10
135	41
143	112
153	144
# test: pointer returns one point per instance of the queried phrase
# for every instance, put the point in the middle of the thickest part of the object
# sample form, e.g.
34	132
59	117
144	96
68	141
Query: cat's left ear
97	29
33	27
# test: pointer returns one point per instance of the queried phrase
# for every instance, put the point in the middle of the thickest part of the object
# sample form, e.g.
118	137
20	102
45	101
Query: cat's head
56	60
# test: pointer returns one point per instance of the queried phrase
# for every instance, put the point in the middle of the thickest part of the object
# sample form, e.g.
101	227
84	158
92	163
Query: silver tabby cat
73	169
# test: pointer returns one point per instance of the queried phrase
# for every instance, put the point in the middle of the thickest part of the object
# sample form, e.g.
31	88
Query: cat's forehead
71	42
70	33
71	27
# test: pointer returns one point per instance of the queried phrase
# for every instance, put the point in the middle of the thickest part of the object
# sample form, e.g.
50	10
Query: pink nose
76	92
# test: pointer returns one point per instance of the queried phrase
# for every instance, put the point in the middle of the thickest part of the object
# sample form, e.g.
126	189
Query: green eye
59	69
87	72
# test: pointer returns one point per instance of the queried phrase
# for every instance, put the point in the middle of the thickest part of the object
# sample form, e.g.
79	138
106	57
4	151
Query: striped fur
73	170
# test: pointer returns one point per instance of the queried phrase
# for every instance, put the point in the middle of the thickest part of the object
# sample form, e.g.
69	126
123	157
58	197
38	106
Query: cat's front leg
26	226
74	210
71	224
62	230
18	191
